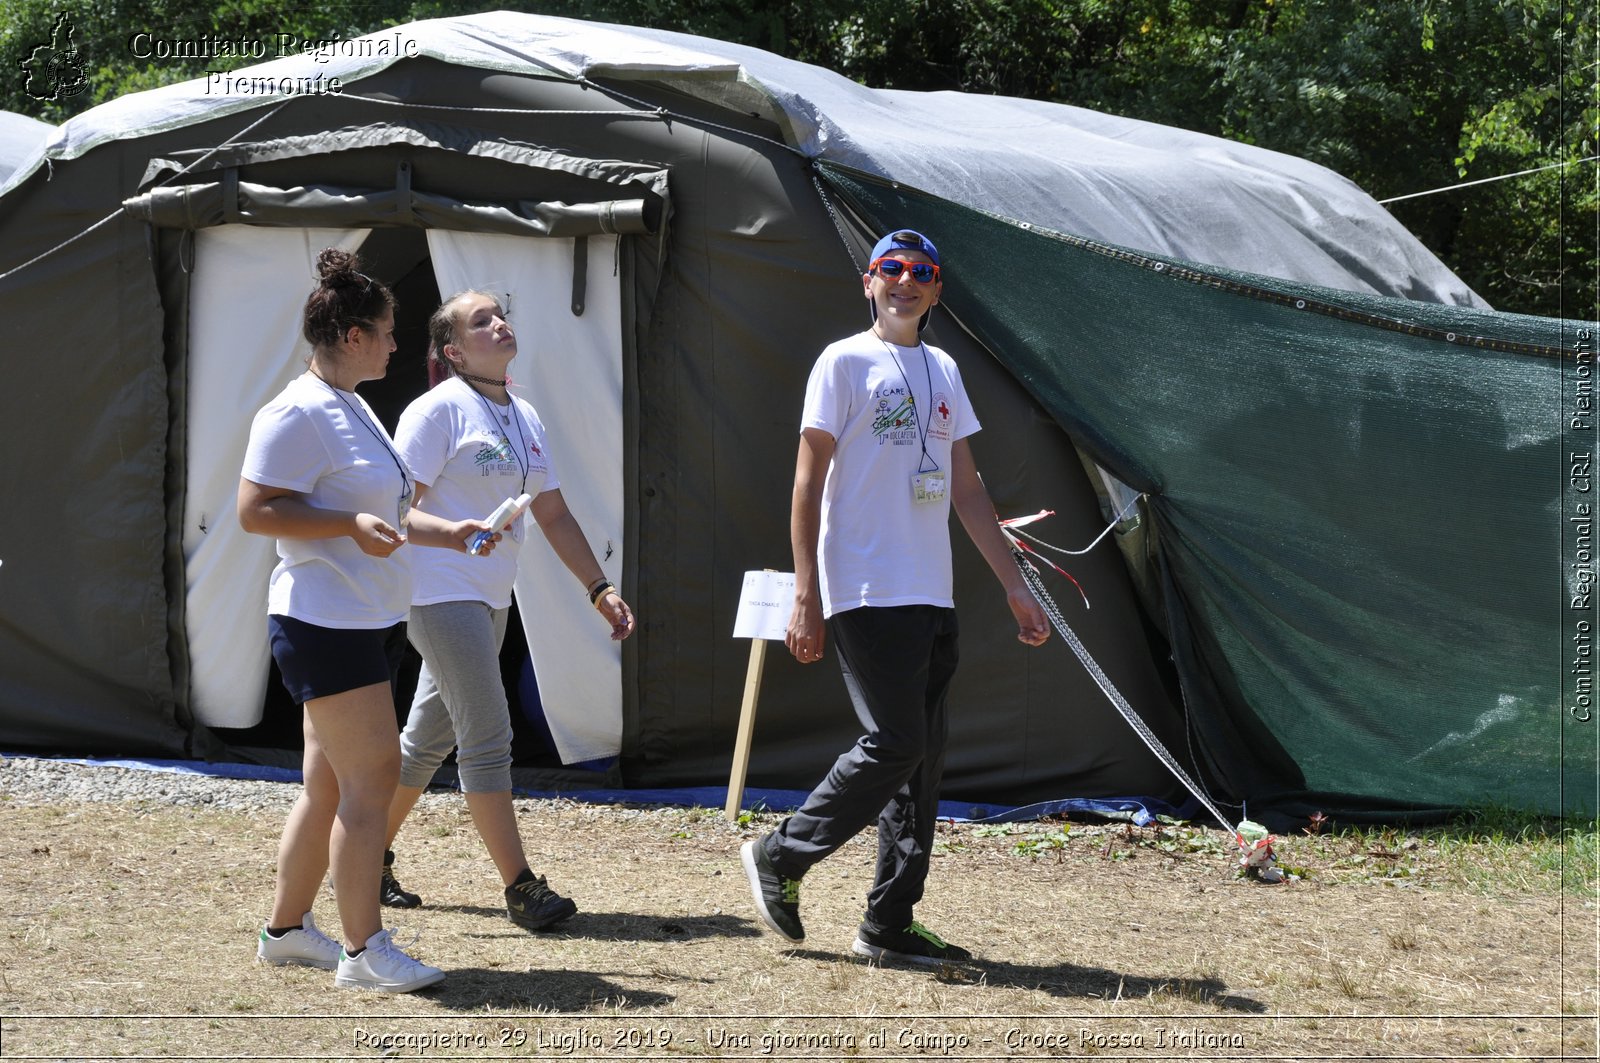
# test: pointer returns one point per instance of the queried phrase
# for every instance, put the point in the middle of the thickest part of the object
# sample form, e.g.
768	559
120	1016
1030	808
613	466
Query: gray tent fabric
1113	179
21	140
738	267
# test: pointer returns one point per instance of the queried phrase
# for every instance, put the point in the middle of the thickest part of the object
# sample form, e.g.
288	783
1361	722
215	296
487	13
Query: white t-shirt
329	447
884	404
473	454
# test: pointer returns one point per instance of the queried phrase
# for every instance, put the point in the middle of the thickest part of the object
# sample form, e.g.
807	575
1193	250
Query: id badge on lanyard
928	487
403	506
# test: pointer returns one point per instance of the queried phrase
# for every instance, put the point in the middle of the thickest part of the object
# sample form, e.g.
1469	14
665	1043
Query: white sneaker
306	947
383	967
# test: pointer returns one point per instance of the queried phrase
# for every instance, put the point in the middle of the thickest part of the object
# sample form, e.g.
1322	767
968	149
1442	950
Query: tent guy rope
69	241
1490	180
1255	844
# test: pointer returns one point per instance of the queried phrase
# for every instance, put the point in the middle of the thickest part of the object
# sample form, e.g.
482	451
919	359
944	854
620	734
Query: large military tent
1344	588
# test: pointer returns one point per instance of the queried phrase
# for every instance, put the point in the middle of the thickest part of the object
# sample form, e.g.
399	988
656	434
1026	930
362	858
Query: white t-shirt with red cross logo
473	454
893	413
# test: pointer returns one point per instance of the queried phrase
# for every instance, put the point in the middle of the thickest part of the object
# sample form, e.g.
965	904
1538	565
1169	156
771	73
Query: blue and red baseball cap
905	240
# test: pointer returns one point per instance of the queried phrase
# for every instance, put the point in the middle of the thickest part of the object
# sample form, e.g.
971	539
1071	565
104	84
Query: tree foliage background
1401	97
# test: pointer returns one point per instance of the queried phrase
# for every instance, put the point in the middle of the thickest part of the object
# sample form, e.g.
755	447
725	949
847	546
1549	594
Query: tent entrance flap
245	345
252	214
571	369
234	201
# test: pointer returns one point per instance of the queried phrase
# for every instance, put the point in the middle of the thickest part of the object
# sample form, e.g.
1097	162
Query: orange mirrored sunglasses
891	268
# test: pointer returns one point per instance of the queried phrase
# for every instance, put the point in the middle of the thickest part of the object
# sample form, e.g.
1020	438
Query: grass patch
1083	925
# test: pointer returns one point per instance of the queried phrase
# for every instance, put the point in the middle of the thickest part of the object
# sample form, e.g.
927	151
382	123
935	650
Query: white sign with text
764	606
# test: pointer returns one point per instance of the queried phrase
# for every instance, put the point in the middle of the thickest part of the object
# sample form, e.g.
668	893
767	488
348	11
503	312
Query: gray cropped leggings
460	701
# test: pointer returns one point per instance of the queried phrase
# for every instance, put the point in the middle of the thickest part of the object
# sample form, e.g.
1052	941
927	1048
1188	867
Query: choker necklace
504	415
489	380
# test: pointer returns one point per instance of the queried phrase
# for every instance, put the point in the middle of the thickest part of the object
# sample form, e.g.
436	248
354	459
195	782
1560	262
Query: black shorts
318	662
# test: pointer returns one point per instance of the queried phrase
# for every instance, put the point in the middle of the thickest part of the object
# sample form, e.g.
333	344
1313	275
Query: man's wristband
600	588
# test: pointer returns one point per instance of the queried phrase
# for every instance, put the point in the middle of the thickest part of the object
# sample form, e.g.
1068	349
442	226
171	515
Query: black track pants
897	662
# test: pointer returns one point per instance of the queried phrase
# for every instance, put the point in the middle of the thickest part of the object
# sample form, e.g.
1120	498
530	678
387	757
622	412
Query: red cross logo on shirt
944	411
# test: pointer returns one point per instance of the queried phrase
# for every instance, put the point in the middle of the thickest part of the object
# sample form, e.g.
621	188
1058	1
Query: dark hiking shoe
533	905
915	944
777	898
390	892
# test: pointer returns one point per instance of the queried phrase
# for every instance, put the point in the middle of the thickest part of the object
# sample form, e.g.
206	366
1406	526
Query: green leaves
128	47
1400	98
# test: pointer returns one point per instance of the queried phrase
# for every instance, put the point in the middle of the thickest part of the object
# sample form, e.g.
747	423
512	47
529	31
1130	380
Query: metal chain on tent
1035	582
1013	528
833	215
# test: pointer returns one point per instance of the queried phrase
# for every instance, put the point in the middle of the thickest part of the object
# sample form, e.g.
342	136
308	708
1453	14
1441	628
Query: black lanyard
405	478
522	440
916	414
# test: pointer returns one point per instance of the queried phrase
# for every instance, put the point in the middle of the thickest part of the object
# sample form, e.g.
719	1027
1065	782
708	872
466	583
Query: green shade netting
1358	507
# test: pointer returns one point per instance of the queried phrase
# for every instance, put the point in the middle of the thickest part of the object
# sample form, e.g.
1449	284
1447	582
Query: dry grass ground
128	932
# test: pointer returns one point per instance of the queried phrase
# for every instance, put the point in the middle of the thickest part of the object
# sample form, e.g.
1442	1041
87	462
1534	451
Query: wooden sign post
764	608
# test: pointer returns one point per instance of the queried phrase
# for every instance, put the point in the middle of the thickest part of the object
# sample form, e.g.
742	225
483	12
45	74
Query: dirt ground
128	932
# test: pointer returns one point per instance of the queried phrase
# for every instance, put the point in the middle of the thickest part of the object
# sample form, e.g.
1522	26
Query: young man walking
883	457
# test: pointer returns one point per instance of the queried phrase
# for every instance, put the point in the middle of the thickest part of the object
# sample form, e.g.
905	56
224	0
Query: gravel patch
37	781
42	781
34	781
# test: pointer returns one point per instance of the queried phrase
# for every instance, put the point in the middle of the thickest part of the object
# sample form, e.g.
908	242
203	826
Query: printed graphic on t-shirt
894	419
495	457
939	420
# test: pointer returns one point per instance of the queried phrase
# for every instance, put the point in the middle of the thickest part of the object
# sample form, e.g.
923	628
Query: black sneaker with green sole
533	905
777	898
916	944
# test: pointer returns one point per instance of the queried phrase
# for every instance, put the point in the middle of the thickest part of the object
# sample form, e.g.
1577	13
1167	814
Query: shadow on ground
476	988
1070	980
615	926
